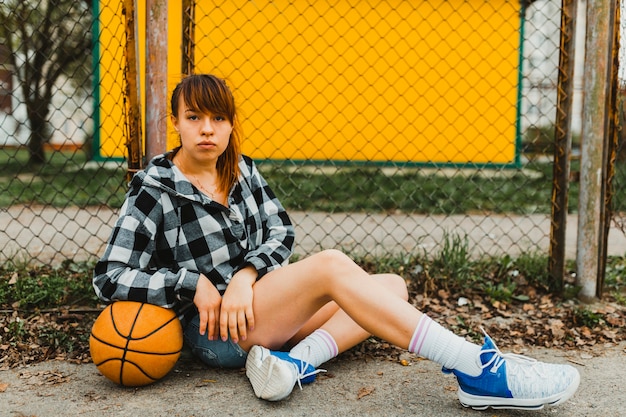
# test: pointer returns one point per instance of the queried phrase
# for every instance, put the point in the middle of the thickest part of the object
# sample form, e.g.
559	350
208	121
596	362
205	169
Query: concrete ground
350	388
372	388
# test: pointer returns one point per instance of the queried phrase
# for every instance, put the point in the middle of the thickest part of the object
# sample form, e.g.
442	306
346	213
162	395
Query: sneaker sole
477	402
266	372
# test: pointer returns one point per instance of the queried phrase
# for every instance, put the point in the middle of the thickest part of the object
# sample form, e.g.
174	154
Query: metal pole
563	142
133	101
598	66
189	29
611	147
156	77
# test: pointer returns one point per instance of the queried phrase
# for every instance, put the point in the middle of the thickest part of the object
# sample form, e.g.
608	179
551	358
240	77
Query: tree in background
46	39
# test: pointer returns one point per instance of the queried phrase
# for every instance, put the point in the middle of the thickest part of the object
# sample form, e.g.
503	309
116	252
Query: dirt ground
375	387
350	388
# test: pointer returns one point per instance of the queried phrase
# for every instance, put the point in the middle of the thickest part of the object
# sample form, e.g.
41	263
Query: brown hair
209	94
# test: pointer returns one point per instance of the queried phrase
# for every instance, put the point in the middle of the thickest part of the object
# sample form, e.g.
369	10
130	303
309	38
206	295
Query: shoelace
303	374
516	361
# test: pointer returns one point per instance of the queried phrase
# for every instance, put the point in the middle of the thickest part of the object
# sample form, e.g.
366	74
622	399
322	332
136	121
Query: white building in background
541	63
70	116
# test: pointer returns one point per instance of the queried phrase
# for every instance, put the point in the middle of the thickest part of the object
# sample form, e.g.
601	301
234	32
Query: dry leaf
556	327
3	387
365	391
609	334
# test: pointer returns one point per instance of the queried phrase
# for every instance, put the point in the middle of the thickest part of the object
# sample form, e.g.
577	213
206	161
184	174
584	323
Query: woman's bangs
206	99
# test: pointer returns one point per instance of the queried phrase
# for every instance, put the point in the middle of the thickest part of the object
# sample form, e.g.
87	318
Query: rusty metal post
156	77
189	29
596	93
132	94
562	142
610	157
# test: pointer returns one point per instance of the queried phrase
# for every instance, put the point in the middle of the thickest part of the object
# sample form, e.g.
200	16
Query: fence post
611	148
595	125
156	77
133	92
562	142
189	34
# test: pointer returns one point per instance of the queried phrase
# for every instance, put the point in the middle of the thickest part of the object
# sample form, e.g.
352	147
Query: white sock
434	342
316	348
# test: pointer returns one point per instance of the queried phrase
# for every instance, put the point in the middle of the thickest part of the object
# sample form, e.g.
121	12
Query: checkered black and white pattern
168	233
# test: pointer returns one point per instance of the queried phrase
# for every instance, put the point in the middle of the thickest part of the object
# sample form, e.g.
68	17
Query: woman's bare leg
287	299
345	331
292	300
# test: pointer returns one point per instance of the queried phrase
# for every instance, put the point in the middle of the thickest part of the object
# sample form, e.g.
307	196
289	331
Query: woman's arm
128	270
273	240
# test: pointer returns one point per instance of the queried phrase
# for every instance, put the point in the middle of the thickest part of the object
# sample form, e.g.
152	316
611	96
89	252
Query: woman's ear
174	122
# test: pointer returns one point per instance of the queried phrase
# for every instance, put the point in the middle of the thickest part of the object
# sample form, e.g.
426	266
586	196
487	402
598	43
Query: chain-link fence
384	126
57	203
429	119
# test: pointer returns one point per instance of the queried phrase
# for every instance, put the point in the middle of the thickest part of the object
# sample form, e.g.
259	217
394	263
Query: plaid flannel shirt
168	233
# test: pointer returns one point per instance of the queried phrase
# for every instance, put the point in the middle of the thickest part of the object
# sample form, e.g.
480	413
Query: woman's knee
333	259
395	283
337	262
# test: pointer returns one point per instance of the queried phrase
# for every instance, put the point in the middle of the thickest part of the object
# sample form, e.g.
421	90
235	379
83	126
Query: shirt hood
163	175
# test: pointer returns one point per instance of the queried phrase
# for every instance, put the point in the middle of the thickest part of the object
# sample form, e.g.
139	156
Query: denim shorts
215	353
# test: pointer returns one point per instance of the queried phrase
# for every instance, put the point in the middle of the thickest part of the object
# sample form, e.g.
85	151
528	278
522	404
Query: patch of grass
615	273
453	265
48	311
501	291
534	267
64	180
410	190
46	287
503	278
59	339
619	297
585	317
67	179
615	278
16	330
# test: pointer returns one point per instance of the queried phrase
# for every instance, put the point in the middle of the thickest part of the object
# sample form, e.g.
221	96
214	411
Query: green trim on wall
516	164
95	34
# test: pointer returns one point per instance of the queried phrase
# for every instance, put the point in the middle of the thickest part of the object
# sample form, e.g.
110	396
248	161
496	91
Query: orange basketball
135	343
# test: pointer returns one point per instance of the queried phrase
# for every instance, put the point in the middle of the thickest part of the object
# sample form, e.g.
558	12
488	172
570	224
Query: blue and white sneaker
273	374
515	381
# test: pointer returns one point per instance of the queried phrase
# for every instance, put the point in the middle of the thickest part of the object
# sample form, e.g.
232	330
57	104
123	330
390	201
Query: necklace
207	192
198	183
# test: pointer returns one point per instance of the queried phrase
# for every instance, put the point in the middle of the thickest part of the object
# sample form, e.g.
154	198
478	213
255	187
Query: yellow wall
350	80
112	133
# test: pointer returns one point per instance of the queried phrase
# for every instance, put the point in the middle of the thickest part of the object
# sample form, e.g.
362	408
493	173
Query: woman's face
204	136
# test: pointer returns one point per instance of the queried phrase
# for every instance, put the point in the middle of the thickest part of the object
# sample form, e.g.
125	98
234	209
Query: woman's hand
208	301
236	314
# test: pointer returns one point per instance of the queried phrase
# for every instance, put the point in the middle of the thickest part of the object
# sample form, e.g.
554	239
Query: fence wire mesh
384	127
55	200
403	116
